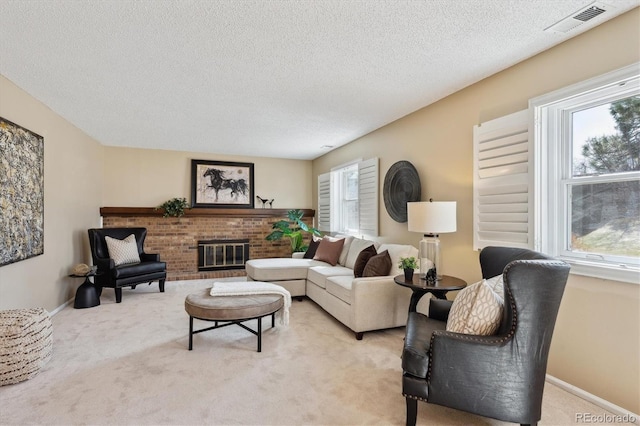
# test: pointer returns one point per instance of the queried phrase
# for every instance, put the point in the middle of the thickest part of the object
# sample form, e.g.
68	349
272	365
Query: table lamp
431	218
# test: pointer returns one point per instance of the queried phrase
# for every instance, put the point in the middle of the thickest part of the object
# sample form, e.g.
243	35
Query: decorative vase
408	274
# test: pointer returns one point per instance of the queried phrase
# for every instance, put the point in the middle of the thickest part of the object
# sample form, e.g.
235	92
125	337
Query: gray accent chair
500	376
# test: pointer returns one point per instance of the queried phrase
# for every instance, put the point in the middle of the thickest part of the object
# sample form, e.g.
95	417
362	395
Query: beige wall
596	342
73	192
148	177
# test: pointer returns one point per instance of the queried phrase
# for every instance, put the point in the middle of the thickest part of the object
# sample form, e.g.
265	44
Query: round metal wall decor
401	185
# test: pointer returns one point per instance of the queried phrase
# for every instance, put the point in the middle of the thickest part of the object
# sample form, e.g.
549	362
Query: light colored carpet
128	363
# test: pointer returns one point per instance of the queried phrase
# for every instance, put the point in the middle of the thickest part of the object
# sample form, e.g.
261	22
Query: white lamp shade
432	217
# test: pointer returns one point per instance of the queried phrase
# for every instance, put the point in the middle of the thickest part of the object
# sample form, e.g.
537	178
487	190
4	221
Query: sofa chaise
362	304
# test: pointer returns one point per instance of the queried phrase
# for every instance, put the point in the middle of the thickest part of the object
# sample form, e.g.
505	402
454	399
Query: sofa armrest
378	303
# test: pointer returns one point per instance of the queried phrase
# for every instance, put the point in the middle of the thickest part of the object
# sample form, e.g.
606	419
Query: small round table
420	287
87	295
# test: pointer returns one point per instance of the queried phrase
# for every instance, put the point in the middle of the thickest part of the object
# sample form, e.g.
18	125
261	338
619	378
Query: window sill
605	272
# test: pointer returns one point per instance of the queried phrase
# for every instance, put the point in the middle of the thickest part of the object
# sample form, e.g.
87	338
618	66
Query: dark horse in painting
218	182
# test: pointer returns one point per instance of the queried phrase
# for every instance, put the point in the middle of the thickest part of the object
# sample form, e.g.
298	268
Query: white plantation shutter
502	183
368	197
324	202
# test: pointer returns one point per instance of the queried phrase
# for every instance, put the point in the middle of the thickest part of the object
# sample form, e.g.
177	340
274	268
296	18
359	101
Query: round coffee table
420	287
229	310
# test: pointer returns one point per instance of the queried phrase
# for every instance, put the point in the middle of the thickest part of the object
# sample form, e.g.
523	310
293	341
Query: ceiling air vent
579	17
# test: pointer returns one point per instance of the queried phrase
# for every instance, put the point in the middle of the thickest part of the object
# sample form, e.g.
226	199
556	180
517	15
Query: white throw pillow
356	246
496	284
476	310
123	251
396	251
345	247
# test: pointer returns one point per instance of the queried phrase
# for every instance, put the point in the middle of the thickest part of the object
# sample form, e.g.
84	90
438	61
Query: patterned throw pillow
123	251
476	310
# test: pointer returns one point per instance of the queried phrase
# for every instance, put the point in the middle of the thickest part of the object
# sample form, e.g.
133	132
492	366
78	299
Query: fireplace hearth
220	255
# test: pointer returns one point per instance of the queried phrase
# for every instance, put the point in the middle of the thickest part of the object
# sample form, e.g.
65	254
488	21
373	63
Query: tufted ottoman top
230	308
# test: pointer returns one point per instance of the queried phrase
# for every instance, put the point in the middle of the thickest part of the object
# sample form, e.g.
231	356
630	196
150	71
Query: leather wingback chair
148	270
500	376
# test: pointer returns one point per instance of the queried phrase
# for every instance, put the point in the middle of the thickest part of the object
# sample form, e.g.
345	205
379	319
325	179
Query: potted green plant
294	229
173	207
408	264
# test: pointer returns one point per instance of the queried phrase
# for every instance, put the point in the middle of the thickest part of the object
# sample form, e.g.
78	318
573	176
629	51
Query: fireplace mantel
176	239
199	211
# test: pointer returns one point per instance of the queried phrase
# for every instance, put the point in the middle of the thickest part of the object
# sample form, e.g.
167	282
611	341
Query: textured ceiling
287	79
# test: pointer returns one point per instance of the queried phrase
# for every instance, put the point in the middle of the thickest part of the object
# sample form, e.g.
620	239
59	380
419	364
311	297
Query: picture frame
21	193
222	184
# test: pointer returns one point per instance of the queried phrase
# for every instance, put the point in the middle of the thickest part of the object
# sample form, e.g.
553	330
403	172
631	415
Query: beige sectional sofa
362	304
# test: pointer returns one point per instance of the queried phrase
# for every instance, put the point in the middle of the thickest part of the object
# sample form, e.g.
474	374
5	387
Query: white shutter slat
324	202
502	194
505	160
509	169
503	150
368	197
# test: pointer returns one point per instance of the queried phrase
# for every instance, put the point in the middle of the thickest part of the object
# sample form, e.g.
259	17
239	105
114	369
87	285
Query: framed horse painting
221	184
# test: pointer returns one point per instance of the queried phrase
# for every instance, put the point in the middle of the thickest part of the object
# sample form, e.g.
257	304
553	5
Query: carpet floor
128	363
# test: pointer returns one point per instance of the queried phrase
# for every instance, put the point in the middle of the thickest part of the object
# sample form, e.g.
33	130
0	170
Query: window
587	145
348	199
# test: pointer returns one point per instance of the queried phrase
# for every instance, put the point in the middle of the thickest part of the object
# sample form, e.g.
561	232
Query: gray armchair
148	270
500	376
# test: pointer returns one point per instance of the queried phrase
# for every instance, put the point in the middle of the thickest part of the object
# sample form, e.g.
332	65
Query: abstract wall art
21	193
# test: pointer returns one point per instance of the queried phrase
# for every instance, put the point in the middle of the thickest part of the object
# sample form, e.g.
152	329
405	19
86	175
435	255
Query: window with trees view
588	141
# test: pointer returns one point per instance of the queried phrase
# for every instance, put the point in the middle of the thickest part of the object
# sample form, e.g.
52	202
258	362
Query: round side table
87	295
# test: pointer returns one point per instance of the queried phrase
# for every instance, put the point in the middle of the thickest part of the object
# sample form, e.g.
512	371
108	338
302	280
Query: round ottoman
229	310
26	343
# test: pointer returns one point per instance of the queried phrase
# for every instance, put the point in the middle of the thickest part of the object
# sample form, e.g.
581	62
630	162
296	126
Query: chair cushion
415	354
476	310
362	260
138	269
123	251
378	265
329	250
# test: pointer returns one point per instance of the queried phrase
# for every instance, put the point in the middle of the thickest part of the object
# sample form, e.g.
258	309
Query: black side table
87	295
420	287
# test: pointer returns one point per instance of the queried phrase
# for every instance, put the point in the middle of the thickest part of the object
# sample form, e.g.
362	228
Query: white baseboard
61	307
628	416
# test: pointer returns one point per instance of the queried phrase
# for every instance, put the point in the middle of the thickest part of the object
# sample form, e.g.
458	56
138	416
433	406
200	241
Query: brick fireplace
176	239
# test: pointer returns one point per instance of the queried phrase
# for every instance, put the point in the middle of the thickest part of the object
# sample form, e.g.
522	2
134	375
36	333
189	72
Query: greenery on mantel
174	207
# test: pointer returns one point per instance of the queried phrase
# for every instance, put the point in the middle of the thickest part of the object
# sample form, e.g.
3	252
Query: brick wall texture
176	240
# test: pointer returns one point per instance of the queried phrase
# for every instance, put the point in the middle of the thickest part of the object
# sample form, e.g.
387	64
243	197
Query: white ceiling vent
579	17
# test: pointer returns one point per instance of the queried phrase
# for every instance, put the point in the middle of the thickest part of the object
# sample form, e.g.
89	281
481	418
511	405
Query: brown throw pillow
311	250
378	266
329	251
362	259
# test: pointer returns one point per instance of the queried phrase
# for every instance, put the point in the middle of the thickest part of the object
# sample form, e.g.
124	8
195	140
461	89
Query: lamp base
430	258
